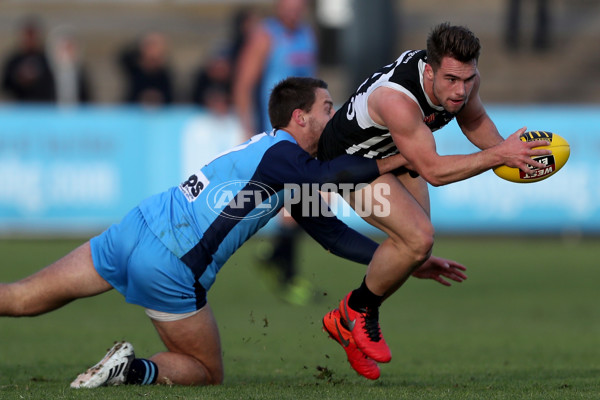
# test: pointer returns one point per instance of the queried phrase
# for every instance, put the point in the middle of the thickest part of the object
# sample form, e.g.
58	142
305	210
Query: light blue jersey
165	255
292	53
200	216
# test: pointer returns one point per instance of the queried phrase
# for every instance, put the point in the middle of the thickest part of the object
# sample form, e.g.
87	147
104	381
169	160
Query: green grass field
525	325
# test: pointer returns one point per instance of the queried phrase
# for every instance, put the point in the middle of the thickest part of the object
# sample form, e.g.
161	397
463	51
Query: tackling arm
287	162
334	235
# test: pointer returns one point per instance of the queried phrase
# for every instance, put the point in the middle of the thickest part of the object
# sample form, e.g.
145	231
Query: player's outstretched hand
437	268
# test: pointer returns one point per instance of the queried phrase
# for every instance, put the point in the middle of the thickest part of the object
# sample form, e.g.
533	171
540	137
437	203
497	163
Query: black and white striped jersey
352	131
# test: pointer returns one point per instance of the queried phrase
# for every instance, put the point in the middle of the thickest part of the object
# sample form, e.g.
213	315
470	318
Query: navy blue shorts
139	266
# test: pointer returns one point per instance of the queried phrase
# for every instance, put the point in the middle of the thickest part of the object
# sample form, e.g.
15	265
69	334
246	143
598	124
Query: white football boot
110	371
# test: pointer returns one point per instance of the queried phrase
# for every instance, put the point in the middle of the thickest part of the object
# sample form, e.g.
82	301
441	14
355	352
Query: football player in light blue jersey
165	254
282	45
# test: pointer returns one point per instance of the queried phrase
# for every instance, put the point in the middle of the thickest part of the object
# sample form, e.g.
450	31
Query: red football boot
364	325
362	364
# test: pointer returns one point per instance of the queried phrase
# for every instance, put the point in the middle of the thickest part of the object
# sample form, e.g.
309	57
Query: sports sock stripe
142	372
154	374
150	375
148	367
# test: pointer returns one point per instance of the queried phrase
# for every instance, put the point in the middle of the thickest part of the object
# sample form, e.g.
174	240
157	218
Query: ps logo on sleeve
192	188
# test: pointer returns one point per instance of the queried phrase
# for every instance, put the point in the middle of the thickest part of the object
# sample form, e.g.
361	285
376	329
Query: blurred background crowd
172	52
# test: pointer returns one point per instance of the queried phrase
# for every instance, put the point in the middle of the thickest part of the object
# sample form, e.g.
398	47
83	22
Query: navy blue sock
363	298
142	372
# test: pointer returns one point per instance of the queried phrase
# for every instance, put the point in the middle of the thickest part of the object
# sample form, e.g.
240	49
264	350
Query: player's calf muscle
27	298
11	304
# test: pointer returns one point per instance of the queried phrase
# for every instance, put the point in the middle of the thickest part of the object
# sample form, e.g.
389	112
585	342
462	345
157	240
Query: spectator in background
27	74
213	81
66	60
147	73
245	22
281	46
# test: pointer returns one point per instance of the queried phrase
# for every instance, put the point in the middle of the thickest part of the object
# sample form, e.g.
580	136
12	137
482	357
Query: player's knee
422	245
210	374
418	244
218	380
426	248
216	376
199	375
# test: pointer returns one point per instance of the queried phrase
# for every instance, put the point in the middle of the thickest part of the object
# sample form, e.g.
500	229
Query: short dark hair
290	94
447	40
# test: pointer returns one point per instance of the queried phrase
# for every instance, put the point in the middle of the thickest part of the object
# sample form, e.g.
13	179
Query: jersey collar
284	135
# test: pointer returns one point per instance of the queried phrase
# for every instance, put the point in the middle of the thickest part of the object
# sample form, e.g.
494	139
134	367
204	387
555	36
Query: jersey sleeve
334	235
286	162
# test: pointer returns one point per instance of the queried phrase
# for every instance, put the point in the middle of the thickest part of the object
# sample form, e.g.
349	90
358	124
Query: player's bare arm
478	127
391	163
247	74
475	122
416	142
